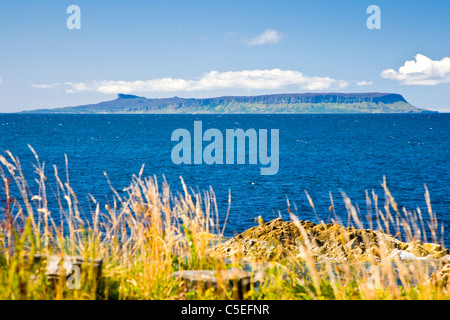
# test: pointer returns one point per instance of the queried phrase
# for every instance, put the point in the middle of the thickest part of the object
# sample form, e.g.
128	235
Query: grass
148	233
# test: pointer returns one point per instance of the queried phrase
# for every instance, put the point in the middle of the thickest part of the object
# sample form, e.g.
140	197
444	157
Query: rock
63	266
278	239
420	249
234	280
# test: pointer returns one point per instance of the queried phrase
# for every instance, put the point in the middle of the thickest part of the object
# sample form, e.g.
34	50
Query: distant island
373	102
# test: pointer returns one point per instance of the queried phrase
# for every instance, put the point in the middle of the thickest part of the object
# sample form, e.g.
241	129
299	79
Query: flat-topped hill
372	102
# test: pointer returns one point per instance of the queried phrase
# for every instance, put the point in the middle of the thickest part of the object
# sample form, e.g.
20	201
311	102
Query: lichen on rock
278	239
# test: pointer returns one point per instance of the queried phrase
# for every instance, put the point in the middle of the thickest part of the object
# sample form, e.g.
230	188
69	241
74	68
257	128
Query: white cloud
422	71
213	80
46	86
1	80
364	83
267	37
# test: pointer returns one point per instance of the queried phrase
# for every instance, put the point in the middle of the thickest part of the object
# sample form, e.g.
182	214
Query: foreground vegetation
148	233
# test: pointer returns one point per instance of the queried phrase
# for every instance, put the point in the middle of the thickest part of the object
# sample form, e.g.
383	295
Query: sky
52	57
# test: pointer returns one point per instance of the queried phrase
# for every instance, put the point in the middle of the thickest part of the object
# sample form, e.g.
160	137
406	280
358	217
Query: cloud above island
421	71
213	80
267	37
364	83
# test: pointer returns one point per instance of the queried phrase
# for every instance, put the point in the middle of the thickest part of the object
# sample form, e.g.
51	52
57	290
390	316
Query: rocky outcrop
278	239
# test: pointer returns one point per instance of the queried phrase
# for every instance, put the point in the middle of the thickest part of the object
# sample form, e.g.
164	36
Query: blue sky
213	48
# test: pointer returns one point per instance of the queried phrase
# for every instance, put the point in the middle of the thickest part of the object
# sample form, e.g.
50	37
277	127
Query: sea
322	159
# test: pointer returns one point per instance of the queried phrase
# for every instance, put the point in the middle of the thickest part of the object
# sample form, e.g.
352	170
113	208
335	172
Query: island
371	102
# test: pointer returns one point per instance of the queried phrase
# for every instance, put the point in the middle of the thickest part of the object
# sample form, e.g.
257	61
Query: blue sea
322	154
